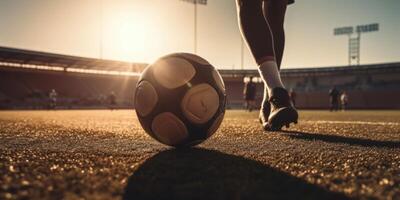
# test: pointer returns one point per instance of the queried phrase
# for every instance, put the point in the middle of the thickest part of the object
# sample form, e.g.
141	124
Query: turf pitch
102	154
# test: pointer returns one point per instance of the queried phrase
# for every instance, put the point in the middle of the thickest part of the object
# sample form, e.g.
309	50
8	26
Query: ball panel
146	98
214	127
195	58
218	79
169	129
200	103
172	72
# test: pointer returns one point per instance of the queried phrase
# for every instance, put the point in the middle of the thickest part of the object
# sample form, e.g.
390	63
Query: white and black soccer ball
180	99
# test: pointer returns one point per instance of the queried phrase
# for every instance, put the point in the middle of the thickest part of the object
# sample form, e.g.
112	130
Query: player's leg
257	33
255	30
274	12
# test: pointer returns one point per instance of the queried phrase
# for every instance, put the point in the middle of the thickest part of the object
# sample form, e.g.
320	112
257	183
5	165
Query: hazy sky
141	31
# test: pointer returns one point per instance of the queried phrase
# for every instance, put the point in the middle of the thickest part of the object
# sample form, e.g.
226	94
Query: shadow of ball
208	174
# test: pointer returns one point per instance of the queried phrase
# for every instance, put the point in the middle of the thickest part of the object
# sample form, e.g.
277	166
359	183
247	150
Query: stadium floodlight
195	2
354	42
367	28
343	30
204	2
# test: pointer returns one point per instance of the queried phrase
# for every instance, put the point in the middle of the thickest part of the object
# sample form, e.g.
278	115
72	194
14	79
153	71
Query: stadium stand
25	89
27	77
374	86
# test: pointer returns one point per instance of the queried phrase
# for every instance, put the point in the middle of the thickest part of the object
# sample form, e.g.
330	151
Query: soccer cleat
282	110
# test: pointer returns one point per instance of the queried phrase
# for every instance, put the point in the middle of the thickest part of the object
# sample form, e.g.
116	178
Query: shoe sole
283	117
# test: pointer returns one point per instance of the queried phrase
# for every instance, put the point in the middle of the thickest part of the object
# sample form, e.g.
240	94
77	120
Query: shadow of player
208	174
340	139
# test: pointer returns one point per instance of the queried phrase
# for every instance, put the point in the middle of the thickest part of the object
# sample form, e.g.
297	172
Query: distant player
112	100
249	94
53	99
261	25
334	99
344	99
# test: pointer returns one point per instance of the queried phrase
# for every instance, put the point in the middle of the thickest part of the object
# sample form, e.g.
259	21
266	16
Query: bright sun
126	36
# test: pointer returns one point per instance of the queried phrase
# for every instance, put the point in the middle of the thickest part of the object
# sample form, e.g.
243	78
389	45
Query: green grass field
102	154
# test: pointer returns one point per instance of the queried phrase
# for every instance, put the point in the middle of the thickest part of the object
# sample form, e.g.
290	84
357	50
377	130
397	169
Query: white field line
354	122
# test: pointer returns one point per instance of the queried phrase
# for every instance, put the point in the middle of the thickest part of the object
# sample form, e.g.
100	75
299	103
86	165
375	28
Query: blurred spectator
112	100
344	99
53	99
249	94
334	99
102	99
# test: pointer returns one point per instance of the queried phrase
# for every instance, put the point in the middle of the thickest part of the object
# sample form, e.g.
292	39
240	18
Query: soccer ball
180	99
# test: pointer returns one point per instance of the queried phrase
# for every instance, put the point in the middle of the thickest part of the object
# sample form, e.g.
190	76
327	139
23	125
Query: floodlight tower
354	42
195	2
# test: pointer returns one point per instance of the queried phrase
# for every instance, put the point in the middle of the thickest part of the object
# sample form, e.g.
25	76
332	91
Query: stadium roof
51	61
22	56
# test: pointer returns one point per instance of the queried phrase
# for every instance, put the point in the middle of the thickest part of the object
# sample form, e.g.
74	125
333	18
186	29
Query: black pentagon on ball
164	111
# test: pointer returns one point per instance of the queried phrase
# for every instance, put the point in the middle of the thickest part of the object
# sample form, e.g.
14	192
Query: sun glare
126	36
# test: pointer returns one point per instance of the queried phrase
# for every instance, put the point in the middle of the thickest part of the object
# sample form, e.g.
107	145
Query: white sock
270	74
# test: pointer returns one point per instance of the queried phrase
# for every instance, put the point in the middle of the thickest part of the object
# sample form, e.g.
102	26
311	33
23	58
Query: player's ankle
270	75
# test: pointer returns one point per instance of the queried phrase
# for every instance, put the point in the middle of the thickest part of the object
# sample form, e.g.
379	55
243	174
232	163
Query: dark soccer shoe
282	110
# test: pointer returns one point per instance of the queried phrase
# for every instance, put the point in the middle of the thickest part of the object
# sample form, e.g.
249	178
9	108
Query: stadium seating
375	86
75	90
